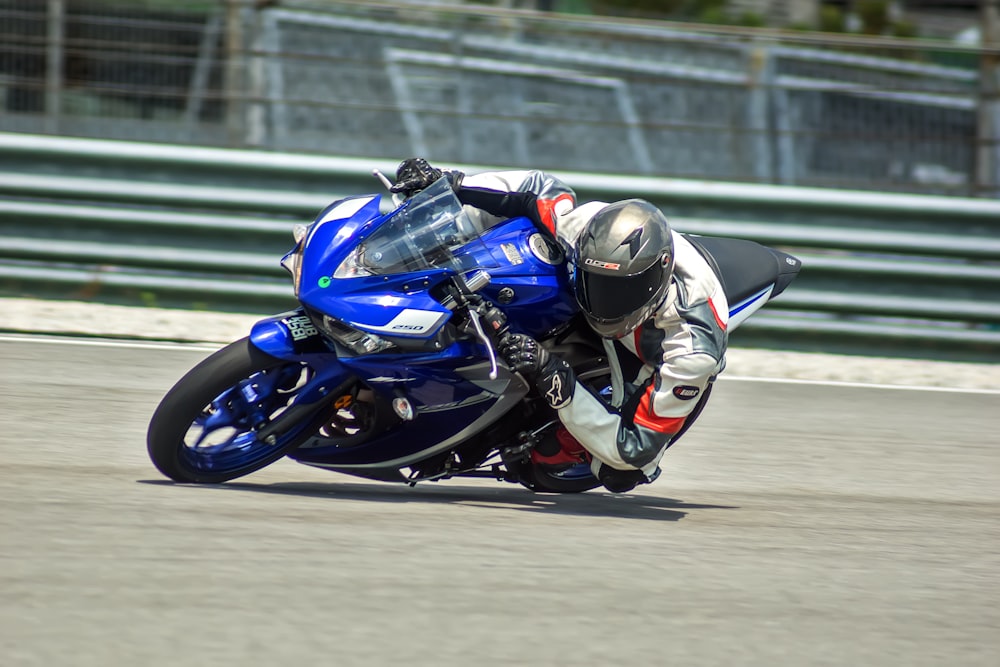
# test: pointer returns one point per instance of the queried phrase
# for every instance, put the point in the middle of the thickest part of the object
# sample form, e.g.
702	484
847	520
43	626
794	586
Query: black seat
745	267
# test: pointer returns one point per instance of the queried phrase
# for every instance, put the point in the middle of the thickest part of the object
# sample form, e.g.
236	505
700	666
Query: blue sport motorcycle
388	368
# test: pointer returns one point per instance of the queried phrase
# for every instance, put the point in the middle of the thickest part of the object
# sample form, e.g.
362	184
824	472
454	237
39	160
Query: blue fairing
332	235
383	304
442	373
542	300
449	393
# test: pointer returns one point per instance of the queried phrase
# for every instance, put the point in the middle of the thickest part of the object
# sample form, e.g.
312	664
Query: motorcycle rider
637	282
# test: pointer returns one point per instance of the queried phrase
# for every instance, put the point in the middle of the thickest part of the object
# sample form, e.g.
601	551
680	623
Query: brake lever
477	325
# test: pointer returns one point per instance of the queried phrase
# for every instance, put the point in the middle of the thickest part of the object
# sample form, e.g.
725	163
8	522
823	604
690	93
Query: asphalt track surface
797	524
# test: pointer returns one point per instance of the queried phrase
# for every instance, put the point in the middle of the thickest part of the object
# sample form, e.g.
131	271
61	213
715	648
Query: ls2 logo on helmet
686	392
602	265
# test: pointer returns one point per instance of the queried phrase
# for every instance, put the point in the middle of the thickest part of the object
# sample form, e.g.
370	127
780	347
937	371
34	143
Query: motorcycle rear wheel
203	430
557	479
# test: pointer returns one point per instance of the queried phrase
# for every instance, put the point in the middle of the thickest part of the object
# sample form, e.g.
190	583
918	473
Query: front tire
204	428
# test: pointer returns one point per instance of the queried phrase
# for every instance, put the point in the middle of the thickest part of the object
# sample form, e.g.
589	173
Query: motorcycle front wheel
204	430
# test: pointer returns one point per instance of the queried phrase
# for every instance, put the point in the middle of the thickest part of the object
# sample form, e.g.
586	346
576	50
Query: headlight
351	267
293	264
353	339
293	260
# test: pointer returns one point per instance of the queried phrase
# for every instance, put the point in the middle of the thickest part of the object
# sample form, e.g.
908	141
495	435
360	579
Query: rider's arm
502	204
538	196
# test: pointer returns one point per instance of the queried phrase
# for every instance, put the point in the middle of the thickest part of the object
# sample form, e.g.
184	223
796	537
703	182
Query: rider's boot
561	449
622	481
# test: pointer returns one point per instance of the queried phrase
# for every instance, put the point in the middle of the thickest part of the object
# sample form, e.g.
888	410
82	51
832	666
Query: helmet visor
608	297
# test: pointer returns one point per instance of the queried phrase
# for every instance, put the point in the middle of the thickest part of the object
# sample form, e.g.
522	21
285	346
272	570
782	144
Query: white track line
54	339
208	347
861	385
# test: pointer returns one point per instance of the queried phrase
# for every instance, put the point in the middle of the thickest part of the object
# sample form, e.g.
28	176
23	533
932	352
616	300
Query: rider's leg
620	481
564	449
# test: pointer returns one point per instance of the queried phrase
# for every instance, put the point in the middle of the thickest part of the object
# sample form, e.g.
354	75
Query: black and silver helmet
624	260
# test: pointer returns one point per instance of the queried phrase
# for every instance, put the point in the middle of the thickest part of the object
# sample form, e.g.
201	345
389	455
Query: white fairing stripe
410	322
748	307
346	209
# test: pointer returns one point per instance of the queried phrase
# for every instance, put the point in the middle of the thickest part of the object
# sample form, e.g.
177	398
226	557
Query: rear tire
554	479
212	397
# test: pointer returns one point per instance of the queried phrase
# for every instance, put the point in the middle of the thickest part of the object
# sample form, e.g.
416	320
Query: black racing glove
415	173
551	374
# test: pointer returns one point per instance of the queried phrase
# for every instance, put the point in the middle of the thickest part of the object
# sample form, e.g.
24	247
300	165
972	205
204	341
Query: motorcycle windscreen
430	231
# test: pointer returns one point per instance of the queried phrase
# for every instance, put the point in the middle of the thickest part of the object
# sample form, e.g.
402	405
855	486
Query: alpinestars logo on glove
554	394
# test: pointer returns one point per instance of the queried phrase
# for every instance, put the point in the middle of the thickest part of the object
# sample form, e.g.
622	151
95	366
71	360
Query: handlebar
480	311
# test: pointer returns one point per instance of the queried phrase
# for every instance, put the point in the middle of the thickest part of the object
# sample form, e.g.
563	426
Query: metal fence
503	87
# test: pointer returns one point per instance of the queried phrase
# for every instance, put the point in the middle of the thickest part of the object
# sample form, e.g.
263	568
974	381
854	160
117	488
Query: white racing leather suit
682	346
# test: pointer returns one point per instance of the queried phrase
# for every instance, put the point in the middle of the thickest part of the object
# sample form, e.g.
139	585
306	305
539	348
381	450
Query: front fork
291	336
314	397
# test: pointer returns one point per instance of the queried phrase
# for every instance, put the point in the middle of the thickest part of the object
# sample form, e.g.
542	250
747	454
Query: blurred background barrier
205	228
159	151
471	83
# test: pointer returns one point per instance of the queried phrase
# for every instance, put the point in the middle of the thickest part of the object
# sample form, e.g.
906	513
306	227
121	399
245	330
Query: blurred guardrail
205	228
